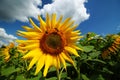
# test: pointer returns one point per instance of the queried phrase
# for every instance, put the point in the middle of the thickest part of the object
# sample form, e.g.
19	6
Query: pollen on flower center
52	43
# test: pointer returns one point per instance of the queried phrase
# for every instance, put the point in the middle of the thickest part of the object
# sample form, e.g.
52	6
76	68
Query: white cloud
68	8
11	10
5	38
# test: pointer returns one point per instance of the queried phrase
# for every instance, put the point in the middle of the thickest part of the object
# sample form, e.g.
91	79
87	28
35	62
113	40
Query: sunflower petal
62	61
67	57
30	35
117	42
28	29
115	45
53	20
34	60
65	23
75	47
56	62
110	49
68	26
32	53
35	26
11	45
115	49
48	21
71	50
71	29
30	46
58	22
42	24
27	41
40	64
48	63
76	37
74	33
6	54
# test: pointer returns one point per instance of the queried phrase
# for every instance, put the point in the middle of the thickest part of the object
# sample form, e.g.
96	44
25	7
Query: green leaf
88	48
20	77
97	77
84	77
52	69
100	77
68	64
80	46
38	77
92	34
52	78
107	71
64	75
97	60
9	70
83	56
112	63
94	54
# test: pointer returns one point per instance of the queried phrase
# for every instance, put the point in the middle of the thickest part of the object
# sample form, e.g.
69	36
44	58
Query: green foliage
89	66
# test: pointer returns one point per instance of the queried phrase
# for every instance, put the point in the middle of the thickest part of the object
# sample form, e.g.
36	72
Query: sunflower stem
26	64
78	72
59	73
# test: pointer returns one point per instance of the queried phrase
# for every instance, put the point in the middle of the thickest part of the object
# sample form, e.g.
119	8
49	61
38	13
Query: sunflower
113	48
6	51
51	43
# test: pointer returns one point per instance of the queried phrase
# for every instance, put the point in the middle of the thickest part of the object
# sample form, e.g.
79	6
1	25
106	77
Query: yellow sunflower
113	48
51	43
6	51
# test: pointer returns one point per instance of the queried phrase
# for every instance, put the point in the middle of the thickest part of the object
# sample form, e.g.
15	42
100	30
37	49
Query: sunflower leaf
88	48
20	77
84	77
94	54
64	75
52	78
9	70
38	77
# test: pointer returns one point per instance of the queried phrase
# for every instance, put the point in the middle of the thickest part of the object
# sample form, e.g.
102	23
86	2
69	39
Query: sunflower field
55	50
99	60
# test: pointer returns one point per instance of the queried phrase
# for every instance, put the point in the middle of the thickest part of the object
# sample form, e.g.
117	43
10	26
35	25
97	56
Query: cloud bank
11	10
6	38
68	8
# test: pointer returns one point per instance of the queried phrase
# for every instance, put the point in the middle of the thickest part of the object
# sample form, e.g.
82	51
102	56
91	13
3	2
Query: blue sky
101	16
104	17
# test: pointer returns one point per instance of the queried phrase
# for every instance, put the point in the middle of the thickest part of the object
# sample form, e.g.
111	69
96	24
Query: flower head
51	43
6	51
113	48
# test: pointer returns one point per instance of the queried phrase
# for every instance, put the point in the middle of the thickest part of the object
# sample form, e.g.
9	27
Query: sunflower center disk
52	43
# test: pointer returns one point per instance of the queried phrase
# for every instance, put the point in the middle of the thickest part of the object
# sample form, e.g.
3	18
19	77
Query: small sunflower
51	43
6	51
113	48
